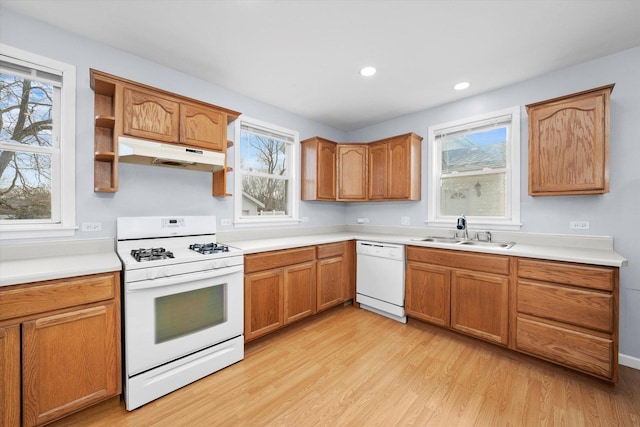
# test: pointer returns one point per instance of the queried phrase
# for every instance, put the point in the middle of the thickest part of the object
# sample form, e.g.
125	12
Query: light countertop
56	260
586	251
70	258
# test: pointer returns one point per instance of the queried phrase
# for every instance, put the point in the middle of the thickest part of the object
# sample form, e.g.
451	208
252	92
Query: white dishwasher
380	279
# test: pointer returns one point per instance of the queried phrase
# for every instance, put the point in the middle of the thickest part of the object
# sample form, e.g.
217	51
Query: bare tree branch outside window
26	123
264	161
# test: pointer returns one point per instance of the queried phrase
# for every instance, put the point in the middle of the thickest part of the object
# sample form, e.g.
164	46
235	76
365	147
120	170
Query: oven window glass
182	314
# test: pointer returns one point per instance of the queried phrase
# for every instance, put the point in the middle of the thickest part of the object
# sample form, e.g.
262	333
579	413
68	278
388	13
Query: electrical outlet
225	221
305	219
579	225
91	226
405	220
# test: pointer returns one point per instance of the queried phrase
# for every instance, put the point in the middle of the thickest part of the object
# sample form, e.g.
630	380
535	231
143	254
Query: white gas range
183	303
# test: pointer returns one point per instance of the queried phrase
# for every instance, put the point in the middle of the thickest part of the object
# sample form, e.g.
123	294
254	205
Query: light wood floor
355	368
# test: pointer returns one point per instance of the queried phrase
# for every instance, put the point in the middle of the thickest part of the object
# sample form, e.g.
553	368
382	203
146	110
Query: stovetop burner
208	248
150	254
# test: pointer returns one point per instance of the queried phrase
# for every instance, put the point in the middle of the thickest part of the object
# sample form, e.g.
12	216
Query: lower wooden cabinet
567	313
299	292
10	377
562	312
428	293
332	275
480	305
69	361
468	292
284	286
263	303
279	288
59	347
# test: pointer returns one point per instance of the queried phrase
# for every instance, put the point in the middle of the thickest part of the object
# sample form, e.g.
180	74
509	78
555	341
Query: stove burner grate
208	248
150	254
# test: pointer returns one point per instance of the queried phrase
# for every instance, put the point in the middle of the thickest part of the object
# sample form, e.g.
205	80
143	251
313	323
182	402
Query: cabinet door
427	293
263	303
480	305
326	172
69	361
330	282
151	116
203	127
378	171
569	145
10	376
299	292
399	169
352	172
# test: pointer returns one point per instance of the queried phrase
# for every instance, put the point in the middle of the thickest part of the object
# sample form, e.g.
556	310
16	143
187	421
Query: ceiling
305	55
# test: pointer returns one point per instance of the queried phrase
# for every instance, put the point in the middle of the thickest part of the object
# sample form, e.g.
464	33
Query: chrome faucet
462	225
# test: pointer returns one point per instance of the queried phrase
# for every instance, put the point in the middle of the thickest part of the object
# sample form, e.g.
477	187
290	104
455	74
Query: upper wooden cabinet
203	127
569	144
124	107
388	169
394	168
150	115
318	169
352	172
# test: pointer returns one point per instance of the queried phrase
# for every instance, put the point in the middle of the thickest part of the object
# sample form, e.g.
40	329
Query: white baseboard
629	361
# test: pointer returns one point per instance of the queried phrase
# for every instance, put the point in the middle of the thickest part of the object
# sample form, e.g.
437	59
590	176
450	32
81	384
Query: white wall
148	191
616	213
145	190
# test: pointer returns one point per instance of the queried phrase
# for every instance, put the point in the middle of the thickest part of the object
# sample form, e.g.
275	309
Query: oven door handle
183	278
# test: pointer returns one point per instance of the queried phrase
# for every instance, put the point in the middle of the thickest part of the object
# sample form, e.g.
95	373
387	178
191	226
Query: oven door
172	317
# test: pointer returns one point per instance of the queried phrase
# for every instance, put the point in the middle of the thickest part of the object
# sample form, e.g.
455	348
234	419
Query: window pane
264	196
482	195
474	151
27	122
262	154
25	185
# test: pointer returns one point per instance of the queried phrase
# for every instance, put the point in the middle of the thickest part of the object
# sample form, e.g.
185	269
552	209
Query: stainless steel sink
455	241
440	240
504	245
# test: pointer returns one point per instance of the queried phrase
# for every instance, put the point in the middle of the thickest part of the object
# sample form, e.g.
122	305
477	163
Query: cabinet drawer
487	263
57	294
276	259
578	307
330	250
581	351
593	277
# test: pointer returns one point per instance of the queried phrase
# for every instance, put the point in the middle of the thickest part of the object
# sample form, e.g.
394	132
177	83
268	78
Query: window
265	179
475	171
37	145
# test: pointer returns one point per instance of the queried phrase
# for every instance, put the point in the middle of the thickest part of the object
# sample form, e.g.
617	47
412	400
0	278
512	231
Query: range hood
143	152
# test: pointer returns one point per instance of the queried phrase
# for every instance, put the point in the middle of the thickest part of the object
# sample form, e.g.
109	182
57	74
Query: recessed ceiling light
462	85
367	71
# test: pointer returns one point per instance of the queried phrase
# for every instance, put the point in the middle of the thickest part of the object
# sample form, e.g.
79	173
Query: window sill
11	232
243	222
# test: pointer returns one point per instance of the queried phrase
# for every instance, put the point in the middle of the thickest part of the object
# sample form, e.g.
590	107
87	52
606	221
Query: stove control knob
152	273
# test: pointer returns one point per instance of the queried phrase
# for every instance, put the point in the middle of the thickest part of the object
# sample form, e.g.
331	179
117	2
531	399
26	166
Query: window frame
292	159
63	186
511	220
